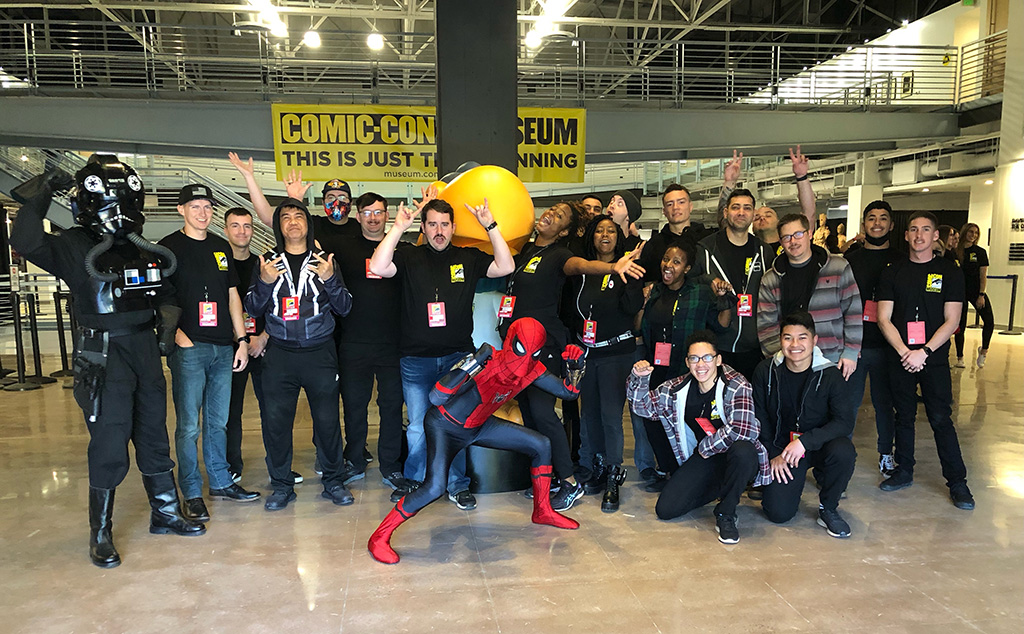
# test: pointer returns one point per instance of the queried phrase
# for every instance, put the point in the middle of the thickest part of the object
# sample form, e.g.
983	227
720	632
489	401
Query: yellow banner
399	143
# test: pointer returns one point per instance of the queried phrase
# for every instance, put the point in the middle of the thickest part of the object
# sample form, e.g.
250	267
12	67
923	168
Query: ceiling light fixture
375	41
533	39
989	181
311	39
279	29
926	190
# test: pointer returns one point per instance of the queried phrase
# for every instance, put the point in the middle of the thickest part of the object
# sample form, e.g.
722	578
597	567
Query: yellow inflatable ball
507	197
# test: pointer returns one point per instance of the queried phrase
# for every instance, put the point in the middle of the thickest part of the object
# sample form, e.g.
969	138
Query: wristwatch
241	339
493	225
927	351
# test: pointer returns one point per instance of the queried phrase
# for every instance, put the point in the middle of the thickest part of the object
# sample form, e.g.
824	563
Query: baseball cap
188	193
336	184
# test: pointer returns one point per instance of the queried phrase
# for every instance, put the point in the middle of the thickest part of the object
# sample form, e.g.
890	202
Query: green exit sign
968	3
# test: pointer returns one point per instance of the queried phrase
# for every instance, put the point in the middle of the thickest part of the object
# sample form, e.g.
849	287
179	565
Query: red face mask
523	343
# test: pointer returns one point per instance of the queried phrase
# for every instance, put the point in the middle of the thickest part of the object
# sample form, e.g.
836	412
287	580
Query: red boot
542	511
380	542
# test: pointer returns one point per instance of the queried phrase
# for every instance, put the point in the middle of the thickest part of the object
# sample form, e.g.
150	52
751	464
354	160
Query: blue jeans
201	380
874	363
643	455
419	374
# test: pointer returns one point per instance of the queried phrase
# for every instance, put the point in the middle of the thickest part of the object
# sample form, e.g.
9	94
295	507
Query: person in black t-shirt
206	285
368	341
974	262
438	283
919	304
677	206
868	263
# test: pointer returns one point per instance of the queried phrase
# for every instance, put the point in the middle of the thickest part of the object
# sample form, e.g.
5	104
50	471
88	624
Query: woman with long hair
974	262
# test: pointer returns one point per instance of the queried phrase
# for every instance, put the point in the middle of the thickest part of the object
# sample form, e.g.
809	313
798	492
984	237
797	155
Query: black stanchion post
21	385
61	341
37	356
1013	304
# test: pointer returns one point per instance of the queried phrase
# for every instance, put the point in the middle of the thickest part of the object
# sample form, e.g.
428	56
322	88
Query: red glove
572	352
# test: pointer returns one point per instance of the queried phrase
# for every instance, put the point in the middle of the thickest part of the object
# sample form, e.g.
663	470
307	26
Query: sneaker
959	363
236	477
297	477
279	500
405	489
556	486
394	479
833	523
755	493
463	499
981	358
961	496
338	494
349	473
726	527
898	480
566	497
319	470
886	464
367	456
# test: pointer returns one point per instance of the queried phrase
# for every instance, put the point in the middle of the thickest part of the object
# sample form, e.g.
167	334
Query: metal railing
195	61
982	68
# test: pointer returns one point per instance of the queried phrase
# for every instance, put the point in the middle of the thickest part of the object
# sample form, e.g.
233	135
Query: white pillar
867	189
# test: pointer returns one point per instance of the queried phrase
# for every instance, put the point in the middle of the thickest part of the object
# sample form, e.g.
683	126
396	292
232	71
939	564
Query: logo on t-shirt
222	260
746	267
714	411
972	257
458	273
607	282
531	266
934	284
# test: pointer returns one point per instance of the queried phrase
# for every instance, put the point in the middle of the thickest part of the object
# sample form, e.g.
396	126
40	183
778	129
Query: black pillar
476	83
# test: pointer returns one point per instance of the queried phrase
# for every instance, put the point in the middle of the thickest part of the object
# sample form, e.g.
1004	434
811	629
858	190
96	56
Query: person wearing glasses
708	415
810	279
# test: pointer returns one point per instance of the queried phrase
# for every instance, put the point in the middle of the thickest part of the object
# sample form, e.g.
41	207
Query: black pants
133	408
234	426
285	371
937	393
359	365
988	325
835	460
571	419
700	480
538	410
603	392
743	362
445	439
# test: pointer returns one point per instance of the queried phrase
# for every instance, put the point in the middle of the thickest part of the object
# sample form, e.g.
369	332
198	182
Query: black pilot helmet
109	197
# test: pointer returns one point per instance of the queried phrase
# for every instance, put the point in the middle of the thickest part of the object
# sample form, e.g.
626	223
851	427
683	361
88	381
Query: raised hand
405	216
245	168
482	213
294	186
642	368
800	163
270	270
429	193
324	267
732	169
626	265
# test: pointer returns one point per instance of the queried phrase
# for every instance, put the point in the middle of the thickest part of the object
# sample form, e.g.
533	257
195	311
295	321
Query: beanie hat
633	208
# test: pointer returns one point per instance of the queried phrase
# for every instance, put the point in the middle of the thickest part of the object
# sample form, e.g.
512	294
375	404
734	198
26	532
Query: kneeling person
708	416
297	289
799	401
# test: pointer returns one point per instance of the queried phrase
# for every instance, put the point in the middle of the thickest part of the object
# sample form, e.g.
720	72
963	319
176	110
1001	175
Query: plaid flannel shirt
738	421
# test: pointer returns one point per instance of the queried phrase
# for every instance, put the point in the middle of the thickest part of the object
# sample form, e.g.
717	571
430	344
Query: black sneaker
726	527
236	476
297	477
463	499
338	494
319	470
833	523
755	493
961	496
367	456
566	496
899	479
394	480
279	500
405	489
349	473
556	486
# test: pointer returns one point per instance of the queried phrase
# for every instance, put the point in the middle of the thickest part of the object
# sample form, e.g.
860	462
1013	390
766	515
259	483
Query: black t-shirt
792	386
429	277
206	270
919	292
613	305
798	286
295	263
245	270
867	266
375	318
974	258
701	405
537	286
328	234
660	241
660	317
737	260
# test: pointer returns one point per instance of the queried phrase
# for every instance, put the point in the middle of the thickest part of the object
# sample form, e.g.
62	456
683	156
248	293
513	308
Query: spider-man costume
464	401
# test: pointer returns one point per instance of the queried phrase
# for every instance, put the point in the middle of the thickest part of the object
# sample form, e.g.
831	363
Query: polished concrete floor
913	564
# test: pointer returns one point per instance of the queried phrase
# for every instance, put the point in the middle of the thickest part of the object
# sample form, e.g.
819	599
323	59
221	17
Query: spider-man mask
523	343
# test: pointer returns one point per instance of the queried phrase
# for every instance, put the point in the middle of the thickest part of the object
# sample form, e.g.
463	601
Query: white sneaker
981	358
959	363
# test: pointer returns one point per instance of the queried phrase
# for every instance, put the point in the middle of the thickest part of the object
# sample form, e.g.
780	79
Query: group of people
743	355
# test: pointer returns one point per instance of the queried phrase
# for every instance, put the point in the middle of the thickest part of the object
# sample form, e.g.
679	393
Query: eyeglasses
790	236
693	359
368	213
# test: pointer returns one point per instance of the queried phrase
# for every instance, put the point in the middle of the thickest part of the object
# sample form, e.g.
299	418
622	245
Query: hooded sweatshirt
834	305
298	305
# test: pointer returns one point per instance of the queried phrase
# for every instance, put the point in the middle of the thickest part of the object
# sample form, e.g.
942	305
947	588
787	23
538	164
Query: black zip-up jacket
822	416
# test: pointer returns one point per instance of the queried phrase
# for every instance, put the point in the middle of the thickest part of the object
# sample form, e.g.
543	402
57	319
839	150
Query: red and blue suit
464	402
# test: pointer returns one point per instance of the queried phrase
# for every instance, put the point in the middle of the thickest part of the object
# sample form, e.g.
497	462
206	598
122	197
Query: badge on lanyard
370	275
590	332
916	333
508	304
207	314
745	305
290	308
435	315
662	353
250	323
871	311
794	435
706	425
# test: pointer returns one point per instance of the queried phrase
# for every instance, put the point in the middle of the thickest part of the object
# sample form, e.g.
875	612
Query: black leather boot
101	543
166	515
610	502
598	477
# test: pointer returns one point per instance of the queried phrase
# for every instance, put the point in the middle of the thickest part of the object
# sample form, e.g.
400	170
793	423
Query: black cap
336	184
189	193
